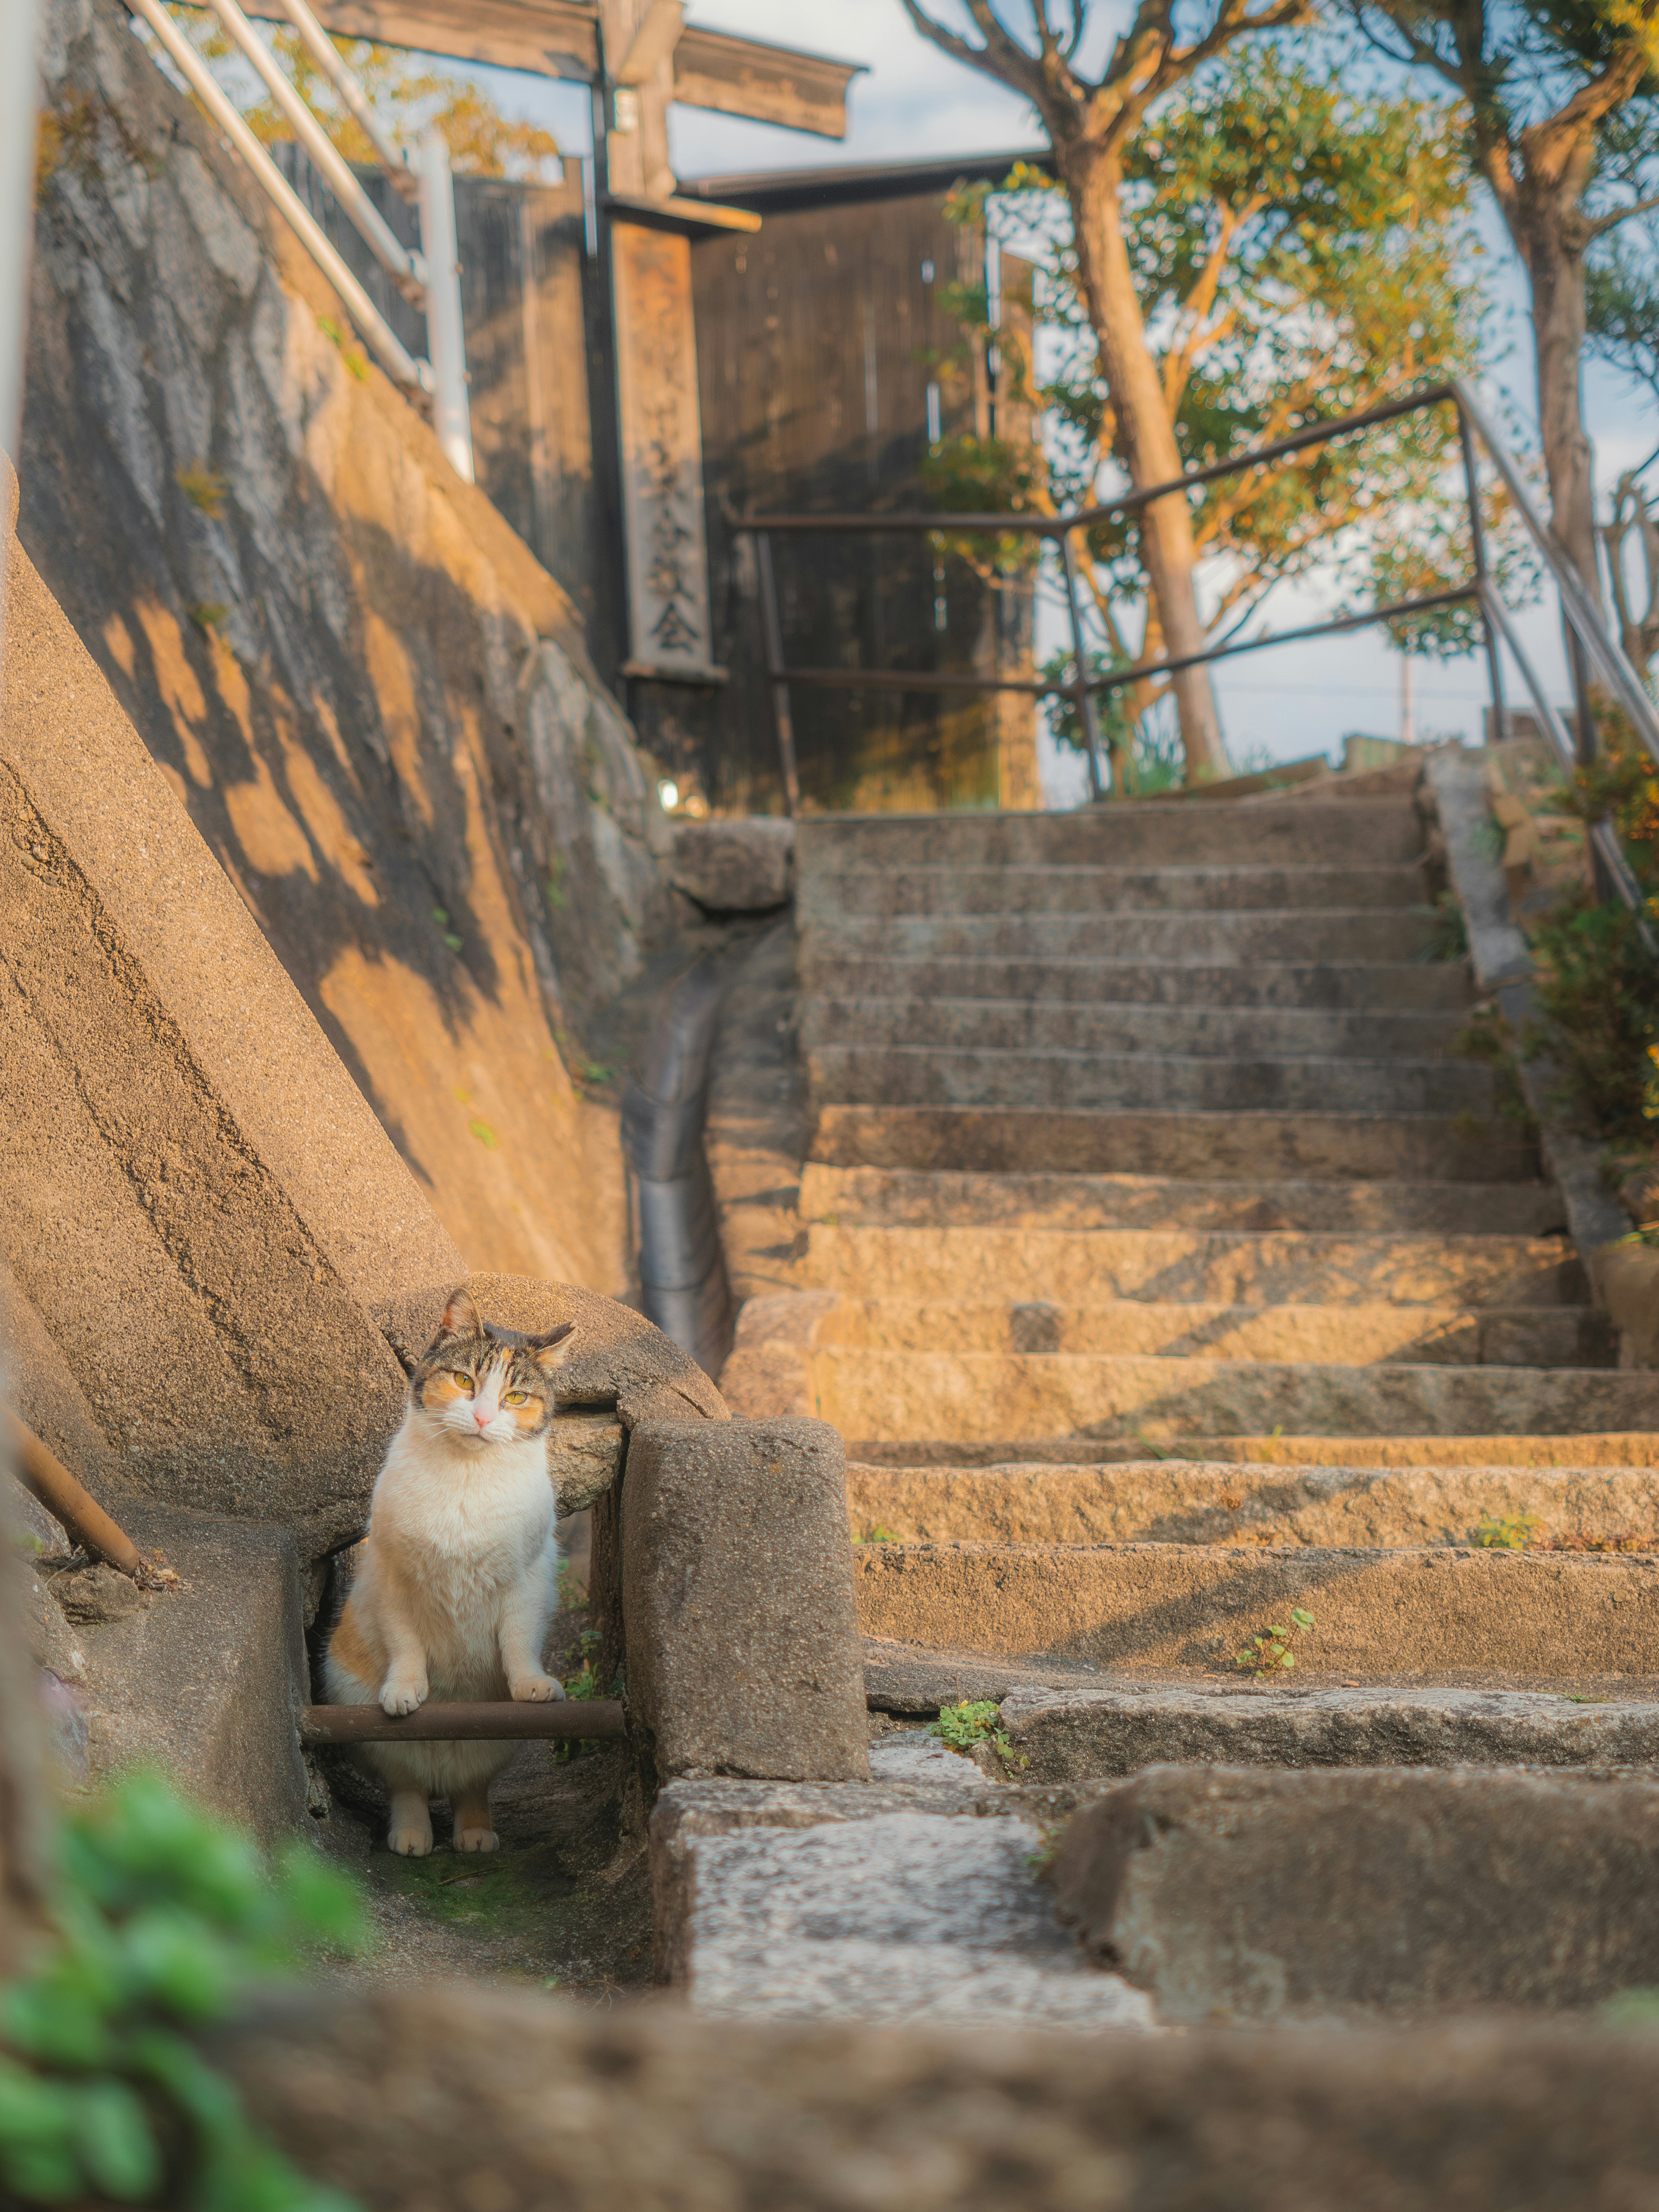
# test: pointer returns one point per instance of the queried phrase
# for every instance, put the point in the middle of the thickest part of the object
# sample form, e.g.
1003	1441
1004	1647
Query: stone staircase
1166	1267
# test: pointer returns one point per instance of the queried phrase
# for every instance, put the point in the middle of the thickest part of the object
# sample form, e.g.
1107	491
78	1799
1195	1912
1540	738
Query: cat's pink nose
483	1419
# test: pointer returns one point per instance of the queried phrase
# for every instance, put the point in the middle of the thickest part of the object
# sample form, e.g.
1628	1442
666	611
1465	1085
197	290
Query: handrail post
772	642
1477	548
1080	691
445	337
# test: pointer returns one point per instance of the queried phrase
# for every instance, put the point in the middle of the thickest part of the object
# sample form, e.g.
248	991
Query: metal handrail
1588	636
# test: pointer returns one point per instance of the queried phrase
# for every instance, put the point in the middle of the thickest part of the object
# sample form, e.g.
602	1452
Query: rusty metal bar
561	1718
84	1520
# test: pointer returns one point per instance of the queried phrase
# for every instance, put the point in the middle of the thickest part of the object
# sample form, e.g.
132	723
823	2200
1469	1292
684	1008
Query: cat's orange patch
443	1389
349	1649
528	1416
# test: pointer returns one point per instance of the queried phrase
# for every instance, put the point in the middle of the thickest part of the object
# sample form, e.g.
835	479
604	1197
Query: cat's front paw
402	1694
476	1839
535	1689
413	1840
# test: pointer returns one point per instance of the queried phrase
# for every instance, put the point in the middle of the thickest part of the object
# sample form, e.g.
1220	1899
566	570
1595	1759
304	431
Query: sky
914	102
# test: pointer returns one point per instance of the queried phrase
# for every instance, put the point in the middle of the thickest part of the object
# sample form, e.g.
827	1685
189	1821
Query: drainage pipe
682	1266
445	336
377	333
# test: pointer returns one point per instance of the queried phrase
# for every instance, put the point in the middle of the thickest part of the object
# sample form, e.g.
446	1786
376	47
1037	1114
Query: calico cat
454	1588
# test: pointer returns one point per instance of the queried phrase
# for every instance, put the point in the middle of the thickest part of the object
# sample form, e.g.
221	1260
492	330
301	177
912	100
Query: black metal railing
1594	656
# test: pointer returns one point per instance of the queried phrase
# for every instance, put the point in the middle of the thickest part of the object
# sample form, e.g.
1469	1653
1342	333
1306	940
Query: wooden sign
669	634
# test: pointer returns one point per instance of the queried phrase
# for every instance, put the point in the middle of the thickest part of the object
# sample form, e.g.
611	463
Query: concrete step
1366	832
1249	1896
845	1902
1229	1267
911	1197
1085	1734
1336	1147
1248	1033
1339	985
1187	1502
911	888
1387	935
1068	1082
1438	1615
1530	1450
985	1397
1352	1335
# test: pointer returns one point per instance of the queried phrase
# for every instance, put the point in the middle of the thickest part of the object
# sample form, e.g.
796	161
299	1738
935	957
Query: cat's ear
552	1350
461	1316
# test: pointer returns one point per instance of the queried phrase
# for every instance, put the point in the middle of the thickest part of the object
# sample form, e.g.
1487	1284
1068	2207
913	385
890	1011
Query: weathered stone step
903	1075
1337	1147
946	1397
1085	1734
1246	1034
1363	831
1227	1267
1244	1895
846	1902
911	889
782	1388
1399	986
1352	1335
1188	1502
1438	1614
914	1198
1388	935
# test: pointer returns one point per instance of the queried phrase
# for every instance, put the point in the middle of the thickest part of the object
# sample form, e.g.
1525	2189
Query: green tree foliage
1621	314
1301	249
407	93
163	1921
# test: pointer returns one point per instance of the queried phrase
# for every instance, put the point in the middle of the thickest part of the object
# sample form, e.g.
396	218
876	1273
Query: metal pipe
1082	696
903	680
1477	548
559	1718
85	1522
407	270
783	721
324	52
377	333
446	336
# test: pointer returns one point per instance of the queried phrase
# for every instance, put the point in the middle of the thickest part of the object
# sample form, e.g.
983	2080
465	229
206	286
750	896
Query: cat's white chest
480	1516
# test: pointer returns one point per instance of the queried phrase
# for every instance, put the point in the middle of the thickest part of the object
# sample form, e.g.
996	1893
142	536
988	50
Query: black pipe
682	1284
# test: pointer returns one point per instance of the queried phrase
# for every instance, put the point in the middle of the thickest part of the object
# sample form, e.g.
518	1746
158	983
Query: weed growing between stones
1485	1037
584	1683
877	1534
1271	1649
1511	1532
964	1728
163	1919
206	489
1448	932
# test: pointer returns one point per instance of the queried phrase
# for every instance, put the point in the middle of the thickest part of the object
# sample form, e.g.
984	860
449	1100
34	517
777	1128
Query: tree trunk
1107	284
1546	226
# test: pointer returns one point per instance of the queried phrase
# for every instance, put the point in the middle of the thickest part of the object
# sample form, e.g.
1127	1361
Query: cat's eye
516	1397
465	1381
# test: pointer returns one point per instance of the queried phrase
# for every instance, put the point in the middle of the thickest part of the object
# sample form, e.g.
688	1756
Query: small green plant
209	616
583	1683
441	916
1632	2008
355	358
572	1595
1448	932
1509	1532
555	891
1485	1037
961	1728
485	1135
206	489
163	1920
877	1534
1271	1649
596	1071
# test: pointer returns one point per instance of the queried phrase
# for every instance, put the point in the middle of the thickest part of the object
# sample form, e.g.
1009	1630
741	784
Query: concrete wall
372	702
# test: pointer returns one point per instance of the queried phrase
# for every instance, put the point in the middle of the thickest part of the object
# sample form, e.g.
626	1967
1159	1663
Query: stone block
744	865
1234	1894
503	2098
743	1655
203	1681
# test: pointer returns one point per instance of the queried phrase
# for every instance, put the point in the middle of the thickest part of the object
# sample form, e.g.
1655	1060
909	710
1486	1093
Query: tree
1622	326
1559	129
1093	125
1298	250
407	94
